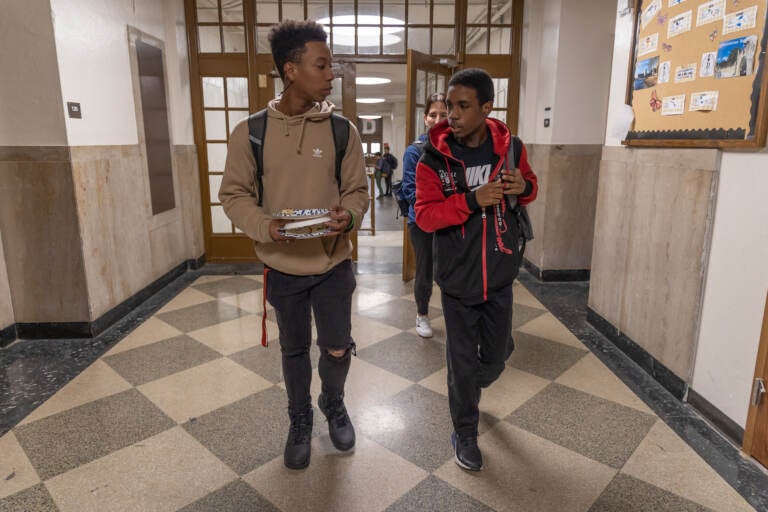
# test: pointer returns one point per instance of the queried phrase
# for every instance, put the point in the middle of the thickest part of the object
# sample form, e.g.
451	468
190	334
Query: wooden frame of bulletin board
698	74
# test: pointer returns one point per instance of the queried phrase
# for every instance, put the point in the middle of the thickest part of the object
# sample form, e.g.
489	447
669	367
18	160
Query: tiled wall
125	246
563	215
41	236
652	230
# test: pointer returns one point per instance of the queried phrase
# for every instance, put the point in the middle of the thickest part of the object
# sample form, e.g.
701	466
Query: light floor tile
666	461
370	478
16	471
201	389
548	327
149	332
248	301
438	328
525	473
365	298
189	297
235	335
522	296
366	331
210	279
161	473
96	381
592	376
366	385
510	391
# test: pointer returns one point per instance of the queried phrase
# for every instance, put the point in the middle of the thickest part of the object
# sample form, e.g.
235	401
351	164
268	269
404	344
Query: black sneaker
297	447
466	452
339	425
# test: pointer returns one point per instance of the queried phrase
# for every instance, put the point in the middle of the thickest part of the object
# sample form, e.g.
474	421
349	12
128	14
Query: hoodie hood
319	112
438	137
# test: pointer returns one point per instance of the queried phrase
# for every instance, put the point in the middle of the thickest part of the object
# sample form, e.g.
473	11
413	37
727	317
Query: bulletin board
698	74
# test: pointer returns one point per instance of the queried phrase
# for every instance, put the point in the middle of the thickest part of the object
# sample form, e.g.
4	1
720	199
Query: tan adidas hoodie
299	173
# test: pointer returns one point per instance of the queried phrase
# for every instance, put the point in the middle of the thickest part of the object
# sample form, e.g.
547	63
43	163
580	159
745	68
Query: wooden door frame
761	366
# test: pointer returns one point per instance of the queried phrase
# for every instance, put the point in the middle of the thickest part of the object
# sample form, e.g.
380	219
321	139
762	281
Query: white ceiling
393	92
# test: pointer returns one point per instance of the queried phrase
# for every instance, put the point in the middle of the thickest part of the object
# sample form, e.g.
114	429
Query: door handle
758	390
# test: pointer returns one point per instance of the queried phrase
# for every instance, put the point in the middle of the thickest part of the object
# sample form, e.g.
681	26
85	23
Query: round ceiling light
371	80
369	116
367	36
371	100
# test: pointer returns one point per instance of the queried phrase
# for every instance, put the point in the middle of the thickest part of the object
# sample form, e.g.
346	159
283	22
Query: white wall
31	110
736	285
95	70
736	275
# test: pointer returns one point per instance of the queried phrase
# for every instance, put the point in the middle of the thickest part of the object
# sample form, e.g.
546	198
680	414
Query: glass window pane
419	126
421	91
293	10
235	116
213	91
394	40
477	11
335	96
219	220
431	83
278	84
501	115
441	84
395	11
501	12
501	86
368	12
214	184
267	12
317	9
501	40
262	40
215	127
375	147
207	10
217	155
368	40
442	41
344	9
210	39
418	39
418	12
477	40
232	10
234	39
444	12
237	92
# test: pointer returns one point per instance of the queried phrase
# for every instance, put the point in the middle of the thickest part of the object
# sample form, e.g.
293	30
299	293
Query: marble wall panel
41	235
648	260
6	306
185	158
538	157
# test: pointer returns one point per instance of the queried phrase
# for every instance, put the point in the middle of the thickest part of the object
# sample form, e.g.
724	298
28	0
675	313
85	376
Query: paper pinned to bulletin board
698	77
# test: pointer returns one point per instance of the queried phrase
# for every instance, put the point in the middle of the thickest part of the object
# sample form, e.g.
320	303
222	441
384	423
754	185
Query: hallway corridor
188	412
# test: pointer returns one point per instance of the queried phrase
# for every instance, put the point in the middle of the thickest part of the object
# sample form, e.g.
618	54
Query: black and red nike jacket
479	250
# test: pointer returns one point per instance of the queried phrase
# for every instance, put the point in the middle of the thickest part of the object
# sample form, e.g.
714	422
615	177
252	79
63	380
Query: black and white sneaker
466	453
339	425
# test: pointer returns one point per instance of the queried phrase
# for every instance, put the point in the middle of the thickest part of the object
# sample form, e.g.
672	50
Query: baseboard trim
556	275
639	355
723	423
7	335
62	330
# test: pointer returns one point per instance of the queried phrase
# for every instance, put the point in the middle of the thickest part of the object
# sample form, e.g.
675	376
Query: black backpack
257	127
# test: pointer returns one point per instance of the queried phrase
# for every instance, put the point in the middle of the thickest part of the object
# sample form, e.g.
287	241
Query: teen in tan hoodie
310	274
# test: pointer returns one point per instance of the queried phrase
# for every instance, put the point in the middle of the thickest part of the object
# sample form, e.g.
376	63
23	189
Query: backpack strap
340	129
524	221
257	127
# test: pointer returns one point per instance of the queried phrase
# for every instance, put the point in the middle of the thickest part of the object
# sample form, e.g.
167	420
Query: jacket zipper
485	268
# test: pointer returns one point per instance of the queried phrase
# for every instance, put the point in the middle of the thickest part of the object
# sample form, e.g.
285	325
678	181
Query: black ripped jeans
294	298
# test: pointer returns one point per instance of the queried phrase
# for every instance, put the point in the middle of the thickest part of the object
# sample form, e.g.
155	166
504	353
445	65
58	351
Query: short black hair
288	40
476	78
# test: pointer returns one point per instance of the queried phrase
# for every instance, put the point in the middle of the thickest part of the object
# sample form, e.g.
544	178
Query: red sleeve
529	176
433	210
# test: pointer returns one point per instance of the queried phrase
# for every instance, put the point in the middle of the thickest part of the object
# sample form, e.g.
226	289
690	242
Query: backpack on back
257	127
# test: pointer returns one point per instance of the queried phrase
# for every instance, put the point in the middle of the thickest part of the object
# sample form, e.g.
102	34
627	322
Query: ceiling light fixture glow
367	36
369	117
371	80
371	100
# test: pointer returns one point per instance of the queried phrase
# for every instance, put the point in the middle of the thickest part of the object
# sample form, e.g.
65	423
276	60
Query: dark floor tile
249	432
434	495
415	424
265	362
235	497
34	499
406	355
400	313
152	362
230	286
522	314
596	428
627	494
541	357
69	439
202	315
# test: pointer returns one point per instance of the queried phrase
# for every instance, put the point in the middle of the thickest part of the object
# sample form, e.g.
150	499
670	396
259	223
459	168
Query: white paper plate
296	213
308	222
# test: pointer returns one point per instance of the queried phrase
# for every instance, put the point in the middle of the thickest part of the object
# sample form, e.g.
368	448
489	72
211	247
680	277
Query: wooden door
756	433
426	75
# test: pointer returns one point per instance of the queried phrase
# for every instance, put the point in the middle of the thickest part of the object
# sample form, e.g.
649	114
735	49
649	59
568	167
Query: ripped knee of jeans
340	354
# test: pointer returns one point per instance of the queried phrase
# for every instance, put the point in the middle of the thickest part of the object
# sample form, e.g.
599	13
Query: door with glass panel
426	75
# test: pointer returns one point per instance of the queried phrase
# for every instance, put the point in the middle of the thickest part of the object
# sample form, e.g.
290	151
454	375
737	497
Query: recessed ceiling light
366	35
371	100
371	80
369	117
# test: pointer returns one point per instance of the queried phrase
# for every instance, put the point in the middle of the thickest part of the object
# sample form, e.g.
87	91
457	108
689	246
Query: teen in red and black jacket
478	248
